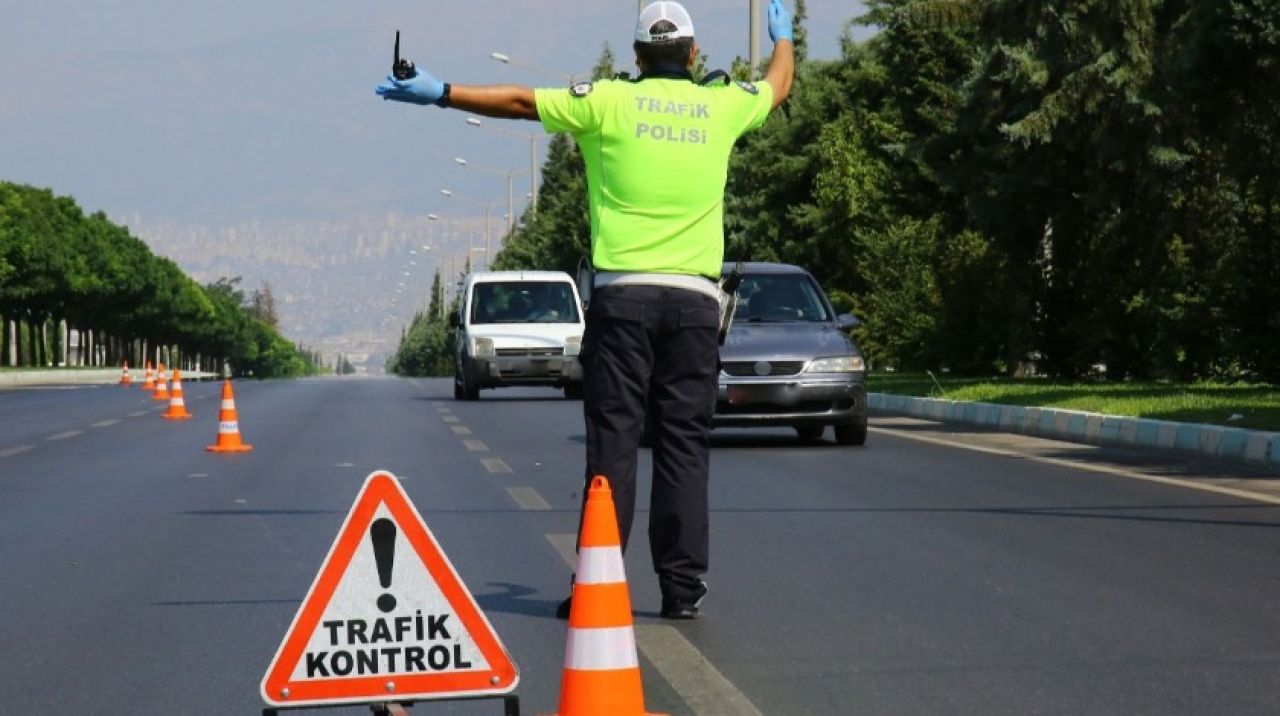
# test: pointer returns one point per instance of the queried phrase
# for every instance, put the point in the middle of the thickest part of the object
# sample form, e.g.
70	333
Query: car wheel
851	434
573	391
810	433
462	390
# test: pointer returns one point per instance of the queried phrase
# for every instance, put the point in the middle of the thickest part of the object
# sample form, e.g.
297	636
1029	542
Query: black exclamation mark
383	534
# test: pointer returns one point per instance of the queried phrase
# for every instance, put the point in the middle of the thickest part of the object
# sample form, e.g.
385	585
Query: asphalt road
140	574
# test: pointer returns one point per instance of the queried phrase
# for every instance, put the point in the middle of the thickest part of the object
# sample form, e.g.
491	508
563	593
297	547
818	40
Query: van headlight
482	347
573	345
837	364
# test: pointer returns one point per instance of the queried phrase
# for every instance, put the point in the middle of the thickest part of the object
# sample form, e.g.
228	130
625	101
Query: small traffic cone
150	383
125	379
228	424
177	407
162	385
601	670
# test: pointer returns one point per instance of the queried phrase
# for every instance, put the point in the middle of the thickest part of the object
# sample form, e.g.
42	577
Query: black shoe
562	610
684	607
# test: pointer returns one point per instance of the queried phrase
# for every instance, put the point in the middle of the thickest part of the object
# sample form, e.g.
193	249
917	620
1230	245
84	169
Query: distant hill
335	284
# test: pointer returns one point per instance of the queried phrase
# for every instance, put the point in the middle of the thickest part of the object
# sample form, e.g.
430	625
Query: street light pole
754	28
533	159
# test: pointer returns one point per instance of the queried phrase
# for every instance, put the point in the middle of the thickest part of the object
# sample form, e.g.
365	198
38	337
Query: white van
518	328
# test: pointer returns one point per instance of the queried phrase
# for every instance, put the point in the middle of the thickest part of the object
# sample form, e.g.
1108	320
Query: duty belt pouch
586	279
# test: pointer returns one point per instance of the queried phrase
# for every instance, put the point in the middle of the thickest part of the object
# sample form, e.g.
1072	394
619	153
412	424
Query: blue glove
779	21
422	88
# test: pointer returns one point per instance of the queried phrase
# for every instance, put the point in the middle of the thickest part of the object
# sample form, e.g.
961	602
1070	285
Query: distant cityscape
343	288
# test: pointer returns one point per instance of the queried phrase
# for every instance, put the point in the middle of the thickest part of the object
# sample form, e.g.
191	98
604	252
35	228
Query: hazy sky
225	112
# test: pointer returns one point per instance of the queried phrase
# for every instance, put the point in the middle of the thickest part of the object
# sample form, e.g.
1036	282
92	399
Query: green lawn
1258	406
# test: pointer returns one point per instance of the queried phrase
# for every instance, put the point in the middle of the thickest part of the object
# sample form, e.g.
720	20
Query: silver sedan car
788	360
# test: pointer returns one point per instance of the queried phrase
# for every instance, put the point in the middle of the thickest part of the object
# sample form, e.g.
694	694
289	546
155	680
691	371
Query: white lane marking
565	545
10	452
496	466
198	474
344	464
64	436
460	429
476	445
104	423
442	409
451	418
700	684
138	413
1105	469
528	498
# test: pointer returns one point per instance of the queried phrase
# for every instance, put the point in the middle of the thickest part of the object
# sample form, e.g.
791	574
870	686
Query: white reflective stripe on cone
229	427
228	404
600	565
601	649
176	401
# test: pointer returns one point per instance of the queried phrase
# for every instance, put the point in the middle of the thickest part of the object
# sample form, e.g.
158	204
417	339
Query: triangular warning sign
387	618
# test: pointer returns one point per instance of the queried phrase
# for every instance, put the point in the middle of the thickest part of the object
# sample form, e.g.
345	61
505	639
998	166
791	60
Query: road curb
1250	447
22	378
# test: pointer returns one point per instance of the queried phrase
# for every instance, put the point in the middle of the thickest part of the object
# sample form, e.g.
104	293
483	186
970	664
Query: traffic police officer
657	152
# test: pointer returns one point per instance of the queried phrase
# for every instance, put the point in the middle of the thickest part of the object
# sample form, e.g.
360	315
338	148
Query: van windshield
523	302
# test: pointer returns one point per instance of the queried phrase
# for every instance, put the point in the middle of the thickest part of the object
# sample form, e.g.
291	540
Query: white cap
672	12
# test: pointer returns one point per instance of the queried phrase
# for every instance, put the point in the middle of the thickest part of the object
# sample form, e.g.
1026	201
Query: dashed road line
700	684
476	446
451	418
10	452
1090	467
528	498
105	423
460	429
565	545
496	466
137	414
64	436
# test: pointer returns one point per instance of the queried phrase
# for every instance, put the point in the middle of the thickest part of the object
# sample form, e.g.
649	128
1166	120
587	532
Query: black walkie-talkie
401	69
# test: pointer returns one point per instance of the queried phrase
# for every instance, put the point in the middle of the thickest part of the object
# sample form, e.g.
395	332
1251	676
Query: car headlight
573	345
837	364
481	347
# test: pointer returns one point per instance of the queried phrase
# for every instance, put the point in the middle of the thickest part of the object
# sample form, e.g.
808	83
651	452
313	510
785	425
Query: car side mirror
454	319
846	321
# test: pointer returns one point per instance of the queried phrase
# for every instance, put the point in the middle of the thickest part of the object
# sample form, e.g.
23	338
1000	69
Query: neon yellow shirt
657	157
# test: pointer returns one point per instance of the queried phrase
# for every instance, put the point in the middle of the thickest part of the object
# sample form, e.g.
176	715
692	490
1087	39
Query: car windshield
523	302
780	298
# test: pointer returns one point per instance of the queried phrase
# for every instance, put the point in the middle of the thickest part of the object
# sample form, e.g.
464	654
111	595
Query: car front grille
803	407
748	368
530	352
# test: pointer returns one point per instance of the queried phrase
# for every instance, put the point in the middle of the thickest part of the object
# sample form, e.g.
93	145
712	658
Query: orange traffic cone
150	383
124	377
228	424
177	406
162	385
601	670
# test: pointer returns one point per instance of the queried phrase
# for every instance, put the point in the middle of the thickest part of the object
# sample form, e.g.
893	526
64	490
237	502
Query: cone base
178	417
646	713
229	448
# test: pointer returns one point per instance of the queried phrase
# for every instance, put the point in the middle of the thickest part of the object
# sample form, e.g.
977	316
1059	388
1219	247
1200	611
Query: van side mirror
846	321
454	319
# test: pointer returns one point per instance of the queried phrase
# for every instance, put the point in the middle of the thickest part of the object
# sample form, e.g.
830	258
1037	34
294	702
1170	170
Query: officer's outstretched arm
781	71
783	64
505	101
